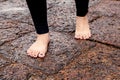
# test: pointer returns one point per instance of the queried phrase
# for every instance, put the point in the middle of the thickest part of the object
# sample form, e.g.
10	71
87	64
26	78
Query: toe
76	36
86	36
29	52
41	55
90	35
34	53
81	36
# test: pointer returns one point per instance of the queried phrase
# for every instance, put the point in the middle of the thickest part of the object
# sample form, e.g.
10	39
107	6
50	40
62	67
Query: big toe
77	36
41	55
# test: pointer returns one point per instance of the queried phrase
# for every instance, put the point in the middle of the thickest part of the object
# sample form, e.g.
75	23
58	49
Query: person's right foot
82	28
39	47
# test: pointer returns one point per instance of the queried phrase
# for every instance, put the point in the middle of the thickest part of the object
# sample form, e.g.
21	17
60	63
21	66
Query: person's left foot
82	28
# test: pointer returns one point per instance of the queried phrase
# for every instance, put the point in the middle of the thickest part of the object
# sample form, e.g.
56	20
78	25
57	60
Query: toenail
40	55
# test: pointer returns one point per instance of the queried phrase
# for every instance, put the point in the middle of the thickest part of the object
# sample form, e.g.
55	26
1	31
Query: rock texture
97	58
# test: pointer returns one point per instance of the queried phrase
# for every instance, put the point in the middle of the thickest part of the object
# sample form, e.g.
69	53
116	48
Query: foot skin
39	47
82	28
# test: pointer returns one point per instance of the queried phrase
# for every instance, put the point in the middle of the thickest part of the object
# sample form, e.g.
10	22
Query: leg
82	25
38	10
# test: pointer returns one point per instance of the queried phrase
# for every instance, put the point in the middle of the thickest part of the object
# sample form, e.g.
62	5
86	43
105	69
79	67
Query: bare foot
82	28
39	47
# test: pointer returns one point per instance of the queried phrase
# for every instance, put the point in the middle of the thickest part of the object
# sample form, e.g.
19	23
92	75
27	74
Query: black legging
38	10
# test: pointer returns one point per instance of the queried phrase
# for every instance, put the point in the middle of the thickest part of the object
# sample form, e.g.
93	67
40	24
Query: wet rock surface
62	49
97	58
98	65
105	23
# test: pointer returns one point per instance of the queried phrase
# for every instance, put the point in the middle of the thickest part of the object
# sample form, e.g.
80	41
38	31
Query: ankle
43	36
81	17
40	35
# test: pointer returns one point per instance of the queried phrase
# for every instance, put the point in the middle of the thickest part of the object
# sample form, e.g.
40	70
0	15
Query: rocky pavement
97	58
